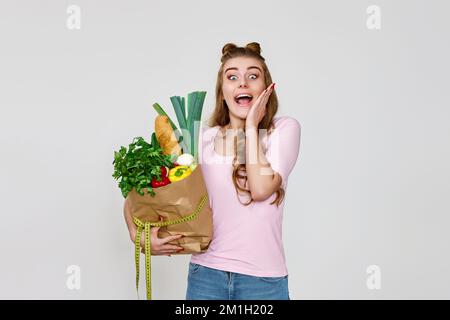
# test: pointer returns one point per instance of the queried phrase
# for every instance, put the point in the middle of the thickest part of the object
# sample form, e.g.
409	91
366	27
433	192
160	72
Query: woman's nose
243	84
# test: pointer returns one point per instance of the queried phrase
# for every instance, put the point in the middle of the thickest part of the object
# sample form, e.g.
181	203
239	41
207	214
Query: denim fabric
205	283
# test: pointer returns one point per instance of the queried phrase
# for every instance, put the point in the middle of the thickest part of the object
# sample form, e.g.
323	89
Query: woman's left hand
258	109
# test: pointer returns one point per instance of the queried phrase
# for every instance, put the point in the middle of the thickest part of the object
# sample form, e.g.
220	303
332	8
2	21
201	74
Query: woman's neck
231	129
235	123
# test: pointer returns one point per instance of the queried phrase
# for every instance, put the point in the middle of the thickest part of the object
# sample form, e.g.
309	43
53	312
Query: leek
190	124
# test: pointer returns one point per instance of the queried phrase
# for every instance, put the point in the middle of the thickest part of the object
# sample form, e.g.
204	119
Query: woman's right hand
159	246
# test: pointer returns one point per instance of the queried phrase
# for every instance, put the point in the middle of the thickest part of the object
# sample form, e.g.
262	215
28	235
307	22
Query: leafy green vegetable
136	166
154	140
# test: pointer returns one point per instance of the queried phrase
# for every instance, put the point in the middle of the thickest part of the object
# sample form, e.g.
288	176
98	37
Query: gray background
371	185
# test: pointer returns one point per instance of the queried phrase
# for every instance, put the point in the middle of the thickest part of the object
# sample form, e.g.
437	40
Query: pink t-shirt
247	239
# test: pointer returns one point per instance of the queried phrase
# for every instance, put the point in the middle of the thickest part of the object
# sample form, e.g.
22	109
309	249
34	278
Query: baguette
166	136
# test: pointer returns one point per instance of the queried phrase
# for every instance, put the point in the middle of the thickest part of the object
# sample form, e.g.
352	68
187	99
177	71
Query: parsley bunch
137	166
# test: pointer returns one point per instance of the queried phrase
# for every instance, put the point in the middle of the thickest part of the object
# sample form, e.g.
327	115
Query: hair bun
254	46
228	47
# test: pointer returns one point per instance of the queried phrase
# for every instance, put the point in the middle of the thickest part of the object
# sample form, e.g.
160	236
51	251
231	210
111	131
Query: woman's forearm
128	219
259	172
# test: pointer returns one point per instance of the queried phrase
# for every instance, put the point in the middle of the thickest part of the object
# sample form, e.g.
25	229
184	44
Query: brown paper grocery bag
174	201
184	206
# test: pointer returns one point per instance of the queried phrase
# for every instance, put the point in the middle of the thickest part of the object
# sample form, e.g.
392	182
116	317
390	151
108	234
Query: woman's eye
230	77
254	76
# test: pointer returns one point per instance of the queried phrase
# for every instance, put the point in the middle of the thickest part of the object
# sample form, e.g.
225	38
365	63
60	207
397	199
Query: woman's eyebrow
234	68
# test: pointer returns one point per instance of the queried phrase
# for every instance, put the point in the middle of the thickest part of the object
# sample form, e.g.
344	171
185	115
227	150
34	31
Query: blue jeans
212	284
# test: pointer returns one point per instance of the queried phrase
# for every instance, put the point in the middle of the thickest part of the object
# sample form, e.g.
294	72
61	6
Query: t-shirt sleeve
283	146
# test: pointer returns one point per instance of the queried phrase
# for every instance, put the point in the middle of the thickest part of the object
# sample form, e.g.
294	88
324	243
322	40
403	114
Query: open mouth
243	99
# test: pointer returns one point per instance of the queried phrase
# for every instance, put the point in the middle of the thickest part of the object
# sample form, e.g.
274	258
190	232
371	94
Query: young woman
246	155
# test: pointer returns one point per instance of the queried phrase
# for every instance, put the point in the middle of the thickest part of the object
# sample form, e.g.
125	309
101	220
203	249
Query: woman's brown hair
220	116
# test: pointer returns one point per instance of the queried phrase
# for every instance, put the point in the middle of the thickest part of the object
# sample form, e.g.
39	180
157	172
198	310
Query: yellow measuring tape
147	247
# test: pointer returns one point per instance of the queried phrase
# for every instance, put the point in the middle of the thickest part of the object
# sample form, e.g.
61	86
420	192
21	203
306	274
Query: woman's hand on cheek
258	109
